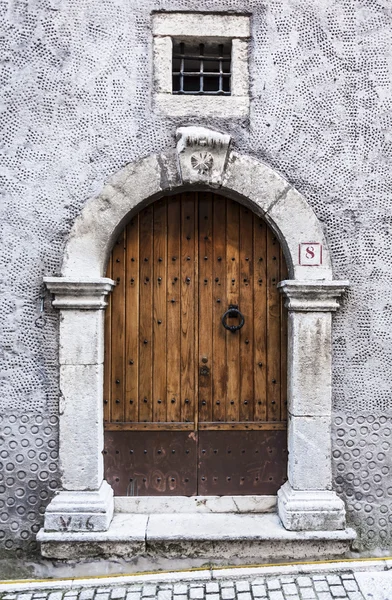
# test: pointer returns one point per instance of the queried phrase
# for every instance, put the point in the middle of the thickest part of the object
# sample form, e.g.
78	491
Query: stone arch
243	178
201	160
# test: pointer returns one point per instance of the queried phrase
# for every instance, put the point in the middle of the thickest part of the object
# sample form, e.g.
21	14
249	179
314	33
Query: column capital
79	294
312	296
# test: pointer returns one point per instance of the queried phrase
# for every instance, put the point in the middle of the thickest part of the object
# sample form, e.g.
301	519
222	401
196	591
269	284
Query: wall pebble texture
77	83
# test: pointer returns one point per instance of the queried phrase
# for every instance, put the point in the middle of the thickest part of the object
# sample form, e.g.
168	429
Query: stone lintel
313	296
310	510
81	511
80	294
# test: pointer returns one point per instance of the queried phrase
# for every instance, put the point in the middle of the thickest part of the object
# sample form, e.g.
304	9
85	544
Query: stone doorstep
194	504
228	537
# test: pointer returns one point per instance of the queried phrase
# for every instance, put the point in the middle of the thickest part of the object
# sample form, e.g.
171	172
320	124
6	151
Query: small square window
202	68
201	64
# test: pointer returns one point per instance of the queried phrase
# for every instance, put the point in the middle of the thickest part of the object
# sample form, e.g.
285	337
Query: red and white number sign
310	254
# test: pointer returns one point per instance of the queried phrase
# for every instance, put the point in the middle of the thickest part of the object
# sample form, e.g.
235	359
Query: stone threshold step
227	537
194	504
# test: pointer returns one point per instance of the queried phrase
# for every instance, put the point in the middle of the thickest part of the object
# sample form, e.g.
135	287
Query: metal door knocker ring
233	312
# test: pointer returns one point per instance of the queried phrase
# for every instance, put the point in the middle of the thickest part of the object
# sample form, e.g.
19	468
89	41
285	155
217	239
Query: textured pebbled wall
76	79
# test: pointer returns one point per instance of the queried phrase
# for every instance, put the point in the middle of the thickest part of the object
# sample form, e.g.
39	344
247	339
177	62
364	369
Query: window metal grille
202	68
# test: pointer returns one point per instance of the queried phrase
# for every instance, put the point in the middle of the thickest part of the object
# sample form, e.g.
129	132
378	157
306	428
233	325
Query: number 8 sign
310	254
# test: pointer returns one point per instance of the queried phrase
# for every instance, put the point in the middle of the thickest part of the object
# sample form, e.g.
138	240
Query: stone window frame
165	27
306	502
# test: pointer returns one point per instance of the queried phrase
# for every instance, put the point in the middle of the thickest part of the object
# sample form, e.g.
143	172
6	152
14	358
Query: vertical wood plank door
194	403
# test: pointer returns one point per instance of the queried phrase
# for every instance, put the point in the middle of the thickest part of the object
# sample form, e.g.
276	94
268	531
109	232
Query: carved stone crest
202	162
202	155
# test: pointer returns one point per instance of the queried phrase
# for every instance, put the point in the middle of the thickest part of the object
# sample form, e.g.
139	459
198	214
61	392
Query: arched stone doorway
202	160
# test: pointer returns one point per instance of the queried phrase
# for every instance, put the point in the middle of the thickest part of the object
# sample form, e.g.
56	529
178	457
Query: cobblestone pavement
303	587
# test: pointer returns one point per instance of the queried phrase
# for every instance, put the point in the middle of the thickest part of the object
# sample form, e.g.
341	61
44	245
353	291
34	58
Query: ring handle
232	313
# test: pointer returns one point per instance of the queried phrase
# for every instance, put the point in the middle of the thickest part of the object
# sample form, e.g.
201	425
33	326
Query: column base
310	510
81	511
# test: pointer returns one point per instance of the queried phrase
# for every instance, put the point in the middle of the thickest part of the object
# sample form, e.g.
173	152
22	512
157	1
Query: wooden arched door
192	407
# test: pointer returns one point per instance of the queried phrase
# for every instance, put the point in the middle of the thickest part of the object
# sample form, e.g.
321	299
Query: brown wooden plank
131	358
108	351
160	310
246	307
273	328
219	300
245	425
188	285
173	309
196	313
260	317
283	342
147	426
205	306
205	426
118	329
233	297
145	313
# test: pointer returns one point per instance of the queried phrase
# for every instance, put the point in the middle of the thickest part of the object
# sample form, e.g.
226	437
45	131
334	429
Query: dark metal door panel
151	463
241	462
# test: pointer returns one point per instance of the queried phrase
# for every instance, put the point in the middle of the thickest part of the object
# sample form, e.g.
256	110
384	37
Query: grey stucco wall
77	84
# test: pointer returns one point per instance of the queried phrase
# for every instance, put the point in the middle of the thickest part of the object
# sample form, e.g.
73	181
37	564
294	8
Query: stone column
306	501
86	500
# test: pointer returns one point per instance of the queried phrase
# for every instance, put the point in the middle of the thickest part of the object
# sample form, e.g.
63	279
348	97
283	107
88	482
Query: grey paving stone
212	597
286	579
325	596
347	576
303	581
181	597
133	596
308	594
165	594
180	588
273	584
119	593
242	586
26	596
338	591
196	592
228	593
275	595
350	585
87	594
244	596
56	595
318	577
334	580
226	584
149	590
100	596
212	587
258	581
321	586
290	589
9	597
355	596
259	591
